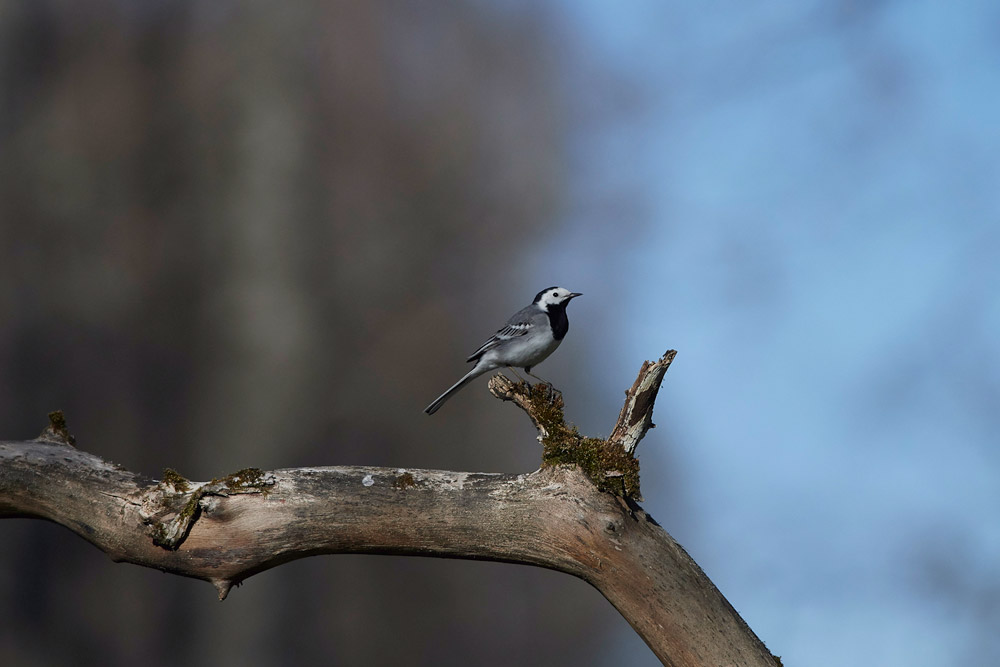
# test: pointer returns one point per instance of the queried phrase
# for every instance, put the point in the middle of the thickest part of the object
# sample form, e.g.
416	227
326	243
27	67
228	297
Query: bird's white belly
526	352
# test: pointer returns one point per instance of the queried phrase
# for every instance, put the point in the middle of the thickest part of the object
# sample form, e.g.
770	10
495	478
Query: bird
526	340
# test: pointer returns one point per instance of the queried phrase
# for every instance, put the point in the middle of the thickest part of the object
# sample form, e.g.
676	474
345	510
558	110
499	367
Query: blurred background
268	234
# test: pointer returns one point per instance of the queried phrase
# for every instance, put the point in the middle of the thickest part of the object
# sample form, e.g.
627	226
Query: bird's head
554	296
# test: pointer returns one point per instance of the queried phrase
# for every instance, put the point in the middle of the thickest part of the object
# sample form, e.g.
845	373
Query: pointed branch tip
57	431
222	586
636	416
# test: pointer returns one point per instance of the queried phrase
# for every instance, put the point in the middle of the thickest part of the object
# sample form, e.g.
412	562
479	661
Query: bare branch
229	529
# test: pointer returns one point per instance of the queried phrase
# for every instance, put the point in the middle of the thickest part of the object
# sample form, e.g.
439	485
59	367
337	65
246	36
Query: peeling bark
229	529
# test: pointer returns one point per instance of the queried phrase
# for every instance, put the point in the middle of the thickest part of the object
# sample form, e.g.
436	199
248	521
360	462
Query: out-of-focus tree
242	234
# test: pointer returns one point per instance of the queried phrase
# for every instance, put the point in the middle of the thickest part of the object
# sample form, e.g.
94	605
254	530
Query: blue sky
811	193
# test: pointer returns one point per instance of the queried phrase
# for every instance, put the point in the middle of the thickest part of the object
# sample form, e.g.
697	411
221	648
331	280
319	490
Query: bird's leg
551	387
542	380
514	371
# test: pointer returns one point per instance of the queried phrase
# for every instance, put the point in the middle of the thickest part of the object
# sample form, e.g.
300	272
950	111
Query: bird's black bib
558	320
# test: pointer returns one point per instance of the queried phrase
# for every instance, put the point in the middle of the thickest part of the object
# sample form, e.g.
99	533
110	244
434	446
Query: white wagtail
528	338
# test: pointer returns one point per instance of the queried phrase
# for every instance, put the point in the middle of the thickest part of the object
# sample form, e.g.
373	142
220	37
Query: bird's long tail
476	371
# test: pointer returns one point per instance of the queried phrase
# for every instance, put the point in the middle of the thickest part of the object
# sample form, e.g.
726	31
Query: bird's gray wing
519	324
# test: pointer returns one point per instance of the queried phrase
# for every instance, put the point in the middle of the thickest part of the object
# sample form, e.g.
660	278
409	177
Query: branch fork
610	464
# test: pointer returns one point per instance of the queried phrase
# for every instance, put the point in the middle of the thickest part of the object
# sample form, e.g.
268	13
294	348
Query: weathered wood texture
226	530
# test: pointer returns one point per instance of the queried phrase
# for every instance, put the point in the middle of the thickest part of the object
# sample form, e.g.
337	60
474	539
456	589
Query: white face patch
553	296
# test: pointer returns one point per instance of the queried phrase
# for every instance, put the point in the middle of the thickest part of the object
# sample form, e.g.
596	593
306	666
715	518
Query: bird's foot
549	388
546	392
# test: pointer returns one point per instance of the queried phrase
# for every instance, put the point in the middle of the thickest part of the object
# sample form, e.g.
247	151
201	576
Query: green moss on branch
608	465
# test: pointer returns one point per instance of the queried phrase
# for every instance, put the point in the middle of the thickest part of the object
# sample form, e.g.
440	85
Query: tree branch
558	517
637	414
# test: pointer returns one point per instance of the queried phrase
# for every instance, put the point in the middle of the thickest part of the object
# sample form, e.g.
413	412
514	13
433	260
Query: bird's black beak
574	294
